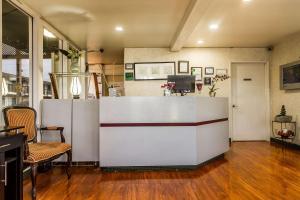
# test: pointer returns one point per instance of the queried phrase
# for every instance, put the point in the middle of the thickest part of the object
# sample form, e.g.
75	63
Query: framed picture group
161	71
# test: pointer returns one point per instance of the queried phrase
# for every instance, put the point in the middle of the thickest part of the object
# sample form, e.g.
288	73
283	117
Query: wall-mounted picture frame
221	72
197	72
183	67
129	66
153	70
207	80
129	76
209	71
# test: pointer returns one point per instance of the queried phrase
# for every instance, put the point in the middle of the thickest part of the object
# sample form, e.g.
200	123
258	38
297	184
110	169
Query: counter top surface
174	109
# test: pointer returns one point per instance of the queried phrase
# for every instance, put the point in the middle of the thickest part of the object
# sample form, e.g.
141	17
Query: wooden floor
251	170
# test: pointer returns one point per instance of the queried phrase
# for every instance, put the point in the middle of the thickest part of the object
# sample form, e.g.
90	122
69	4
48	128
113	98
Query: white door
249	100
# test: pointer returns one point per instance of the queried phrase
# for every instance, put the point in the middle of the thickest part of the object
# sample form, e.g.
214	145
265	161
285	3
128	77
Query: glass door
16	56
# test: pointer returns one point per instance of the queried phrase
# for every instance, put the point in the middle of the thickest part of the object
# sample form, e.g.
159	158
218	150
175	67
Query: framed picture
183	67
129	66
154	70
221	72
207	80
129	76
209	71
197	71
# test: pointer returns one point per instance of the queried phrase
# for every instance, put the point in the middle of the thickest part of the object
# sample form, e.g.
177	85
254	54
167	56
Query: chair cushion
43	151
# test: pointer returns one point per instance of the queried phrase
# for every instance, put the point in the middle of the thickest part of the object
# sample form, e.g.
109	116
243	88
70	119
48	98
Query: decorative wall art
197	71
129	66
154	70
183	67
221	72
207	80
209	71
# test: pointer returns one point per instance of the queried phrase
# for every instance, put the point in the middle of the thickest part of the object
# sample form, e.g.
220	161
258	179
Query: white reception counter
162	131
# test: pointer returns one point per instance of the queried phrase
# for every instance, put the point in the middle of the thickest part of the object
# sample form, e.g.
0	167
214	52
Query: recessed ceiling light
119	28
48	34
200	41
213	26
247	1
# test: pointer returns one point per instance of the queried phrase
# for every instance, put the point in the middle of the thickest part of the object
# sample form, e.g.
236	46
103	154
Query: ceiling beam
190	20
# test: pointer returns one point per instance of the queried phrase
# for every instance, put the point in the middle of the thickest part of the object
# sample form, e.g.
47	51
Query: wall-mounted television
290	76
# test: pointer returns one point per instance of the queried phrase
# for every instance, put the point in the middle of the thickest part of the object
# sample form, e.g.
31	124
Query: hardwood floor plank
250	170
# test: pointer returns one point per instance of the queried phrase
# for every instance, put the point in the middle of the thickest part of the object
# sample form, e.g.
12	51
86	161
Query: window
16	65
52	61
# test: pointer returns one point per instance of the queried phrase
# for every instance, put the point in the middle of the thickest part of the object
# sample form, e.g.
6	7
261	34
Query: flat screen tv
183	83
290	76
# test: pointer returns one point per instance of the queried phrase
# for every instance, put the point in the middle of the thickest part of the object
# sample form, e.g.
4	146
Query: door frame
267	97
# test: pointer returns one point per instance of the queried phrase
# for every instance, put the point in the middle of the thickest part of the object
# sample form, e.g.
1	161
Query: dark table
11	163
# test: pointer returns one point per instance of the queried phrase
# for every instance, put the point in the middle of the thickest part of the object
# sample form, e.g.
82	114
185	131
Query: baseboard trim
155	168
83	164
287	144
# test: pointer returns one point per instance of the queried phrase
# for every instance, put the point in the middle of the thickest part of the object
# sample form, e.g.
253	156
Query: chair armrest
26	148
54	128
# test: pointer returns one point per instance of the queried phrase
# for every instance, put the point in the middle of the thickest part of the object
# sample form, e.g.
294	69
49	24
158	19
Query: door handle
234	106
5	173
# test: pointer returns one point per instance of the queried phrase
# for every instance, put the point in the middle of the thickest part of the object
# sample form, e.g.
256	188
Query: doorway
249	101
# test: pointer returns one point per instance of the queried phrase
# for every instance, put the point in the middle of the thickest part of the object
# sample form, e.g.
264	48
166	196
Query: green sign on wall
129	76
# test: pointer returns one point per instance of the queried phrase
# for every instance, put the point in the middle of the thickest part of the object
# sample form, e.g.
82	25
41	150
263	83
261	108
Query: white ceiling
91	23
259	23
155	23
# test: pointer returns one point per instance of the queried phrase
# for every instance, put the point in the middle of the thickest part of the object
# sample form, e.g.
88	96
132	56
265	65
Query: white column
37	67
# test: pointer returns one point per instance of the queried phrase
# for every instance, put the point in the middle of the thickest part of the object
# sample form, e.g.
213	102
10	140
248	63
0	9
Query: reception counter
162	131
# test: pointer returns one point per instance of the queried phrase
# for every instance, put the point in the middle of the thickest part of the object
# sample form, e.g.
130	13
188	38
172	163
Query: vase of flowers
218	78
168	88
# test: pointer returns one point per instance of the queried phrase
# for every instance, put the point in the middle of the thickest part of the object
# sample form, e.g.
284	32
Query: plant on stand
282	117
74	56
215	80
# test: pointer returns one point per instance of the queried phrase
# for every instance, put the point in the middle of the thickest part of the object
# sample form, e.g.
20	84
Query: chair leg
69	154
33	180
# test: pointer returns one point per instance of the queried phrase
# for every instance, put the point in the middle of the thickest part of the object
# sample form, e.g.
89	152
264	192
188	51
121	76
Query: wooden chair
36	153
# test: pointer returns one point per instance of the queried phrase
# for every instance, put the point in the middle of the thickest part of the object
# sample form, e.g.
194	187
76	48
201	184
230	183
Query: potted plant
282	117
215	80
74	56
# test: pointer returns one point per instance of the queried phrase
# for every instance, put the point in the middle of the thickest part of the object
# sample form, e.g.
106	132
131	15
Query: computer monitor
183	83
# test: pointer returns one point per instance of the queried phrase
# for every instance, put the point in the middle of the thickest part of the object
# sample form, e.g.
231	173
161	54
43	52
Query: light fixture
4	87
247	1
200	41
48	34
75	87
214	26
119	28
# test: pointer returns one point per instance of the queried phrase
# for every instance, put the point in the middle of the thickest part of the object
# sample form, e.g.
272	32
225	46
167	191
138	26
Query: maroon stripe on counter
163	124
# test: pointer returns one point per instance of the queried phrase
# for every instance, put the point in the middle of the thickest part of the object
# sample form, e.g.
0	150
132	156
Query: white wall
288	50
220	58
